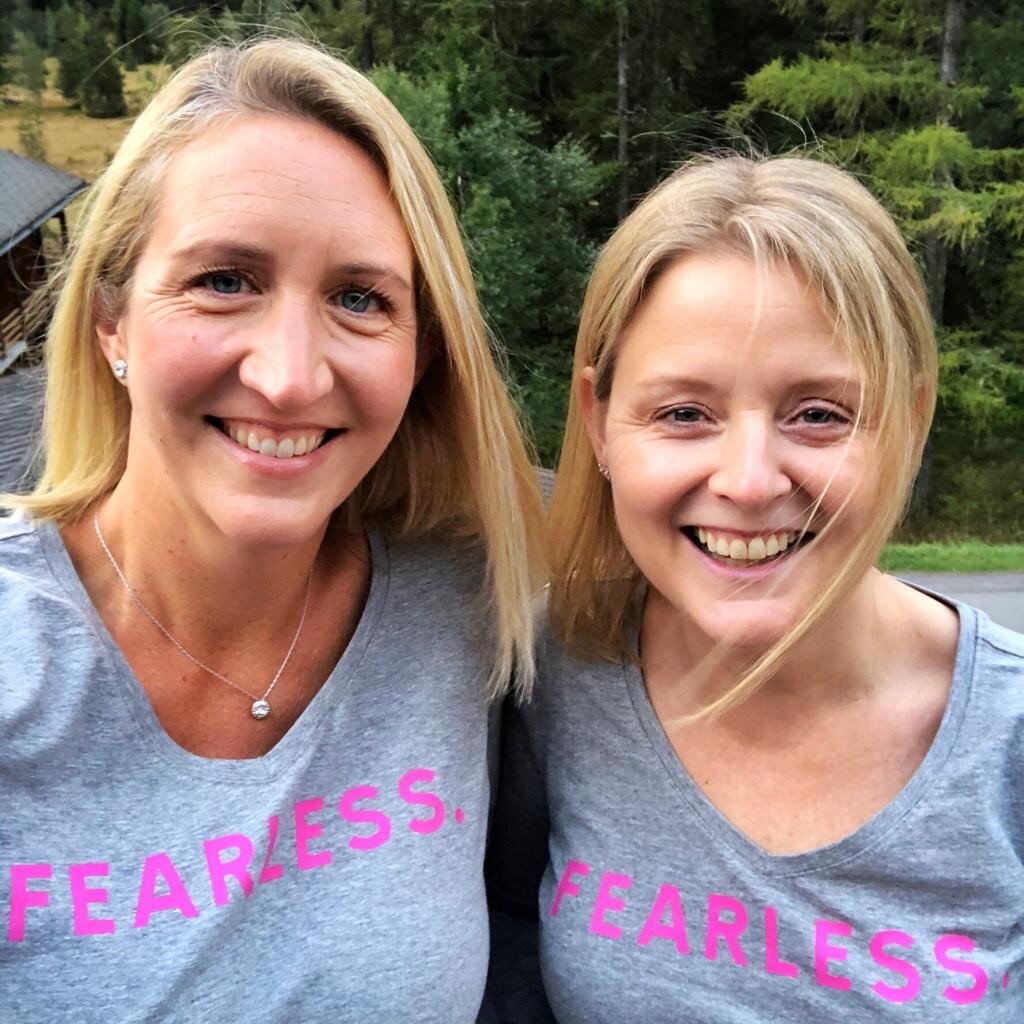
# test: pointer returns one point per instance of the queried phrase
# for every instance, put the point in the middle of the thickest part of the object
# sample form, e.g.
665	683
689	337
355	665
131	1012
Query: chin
278	524
752	629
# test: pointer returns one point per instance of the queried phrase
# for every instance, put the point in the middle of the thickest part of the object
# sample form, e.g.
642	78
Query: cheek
381	379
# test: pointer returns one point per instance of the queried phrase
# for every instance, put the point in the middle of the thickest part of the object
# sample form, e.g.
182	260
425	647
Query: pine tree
30	76
102	89
73	31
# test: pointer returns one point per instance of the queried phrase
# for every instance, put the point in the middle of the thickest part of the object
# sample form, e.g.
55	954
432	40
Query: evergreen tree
102	89
73	31
31	77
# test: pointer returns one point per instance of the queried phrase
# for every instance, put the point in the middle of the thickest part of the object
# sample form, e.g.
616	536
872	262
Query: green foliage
519	205
31	71
30	74
102	89
72	51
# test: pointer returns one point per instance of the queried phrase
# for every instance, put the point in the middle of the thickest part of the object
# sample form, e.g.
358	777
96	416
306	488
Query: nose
749	472
286	361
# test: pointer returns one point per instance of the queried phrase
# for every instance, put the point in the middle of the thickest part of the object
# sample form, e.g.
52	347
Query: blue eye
360	300
225	284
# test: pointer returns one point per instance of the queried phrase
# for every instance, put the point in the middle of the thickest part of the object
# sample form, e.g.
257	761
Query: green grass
953	556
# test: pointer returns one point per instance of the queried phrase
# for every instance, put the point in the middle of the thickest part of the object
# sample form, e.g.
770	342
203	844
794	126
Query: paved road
1001	594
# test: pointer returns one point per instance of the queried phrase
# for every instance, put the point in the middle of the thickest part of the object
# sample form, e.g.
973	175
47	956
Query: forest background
550	119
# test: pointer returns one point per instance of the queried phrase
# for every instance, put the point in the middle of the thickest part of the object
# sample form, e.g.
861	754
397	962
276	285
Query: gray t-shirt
654	908
336	878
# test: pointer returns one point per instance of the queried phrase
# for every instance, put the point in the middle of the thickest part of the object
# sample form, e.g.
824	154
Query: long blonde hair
457	462
791	210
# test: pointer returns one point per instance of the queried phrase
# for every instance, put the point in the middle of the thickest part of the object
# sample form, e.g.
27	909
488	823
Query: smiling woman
758	770
280	558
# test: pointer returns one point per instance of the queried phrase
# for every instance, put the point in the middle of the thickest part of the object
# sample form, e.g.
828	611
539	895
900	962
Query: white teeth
755	550
286	448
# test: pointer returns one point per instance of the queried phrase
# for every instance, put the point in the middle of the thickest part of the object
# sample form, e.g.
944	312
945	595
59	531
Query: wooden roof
21	395
30	194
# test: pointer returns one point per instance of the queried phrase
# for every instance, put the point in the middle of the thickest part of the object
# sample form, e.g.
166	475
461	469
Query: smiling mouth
740	552
280	444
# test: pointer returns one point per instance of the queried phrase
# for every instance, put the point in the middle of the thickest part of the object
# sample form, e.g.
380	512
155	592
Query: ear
110	339
595	412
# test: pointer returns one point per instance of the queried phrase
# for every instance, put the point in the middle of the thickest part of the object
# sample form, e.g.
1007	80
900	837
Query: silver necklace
260	705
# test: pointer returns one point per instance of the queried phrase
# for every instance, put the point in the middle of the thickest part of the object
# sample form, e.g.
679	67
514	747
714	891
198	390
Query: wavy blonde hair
792	210
457	462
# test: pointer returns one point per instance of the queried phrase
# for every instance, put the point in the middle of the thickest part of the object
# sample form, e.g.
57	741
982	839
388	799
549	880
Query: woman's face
270	330
728	432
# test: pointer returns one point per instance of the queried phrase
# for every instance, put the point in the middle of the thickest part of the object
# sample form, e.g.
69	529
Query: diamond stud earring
603	470
120	368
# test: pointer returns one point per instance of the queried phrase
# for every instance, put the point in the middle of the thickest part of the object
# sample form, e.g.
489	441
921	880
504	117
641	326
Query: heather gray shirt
336	878
654	908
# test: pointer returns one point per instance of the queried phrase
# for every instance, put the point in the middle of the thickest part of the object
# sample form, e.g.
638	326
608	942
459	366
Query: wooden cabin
31	193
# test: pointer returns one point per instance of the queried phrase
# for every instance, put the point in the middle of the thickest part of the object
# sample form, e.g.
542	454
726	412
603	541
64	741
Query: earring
120	368
603	470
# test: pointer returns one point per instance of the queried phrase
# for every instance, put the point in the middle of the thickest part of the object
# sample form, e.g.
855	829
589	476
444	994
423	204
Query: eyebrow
242	252
824	384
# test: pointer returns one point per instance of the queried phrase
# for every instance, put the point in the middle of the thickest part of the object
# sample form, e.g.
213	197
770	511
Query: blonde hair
792	210
457	462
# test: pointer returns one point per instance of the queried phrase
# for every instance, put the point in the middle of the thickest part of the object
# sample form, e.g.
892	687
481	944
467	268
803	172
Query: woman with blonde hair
779	784
277	563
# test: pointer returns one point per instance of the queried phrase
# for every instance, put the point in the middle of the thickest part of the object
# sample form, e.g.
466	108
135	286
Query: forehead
731	319
285	181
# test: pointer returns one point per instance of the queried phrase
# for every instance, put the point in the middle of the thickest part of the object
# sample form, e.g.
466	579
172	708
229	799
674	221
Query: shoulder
999	654
436	566
24	568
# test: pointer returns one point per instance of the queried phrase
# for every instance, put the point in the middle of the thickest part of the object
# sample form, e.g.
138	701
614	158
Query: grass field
73	142
955	556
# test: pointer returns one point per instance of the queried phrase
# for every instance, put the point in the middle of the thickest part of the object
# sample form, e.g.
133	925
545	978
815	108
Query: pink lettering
82	895
773	963
566	886
368	816
237	866
903	968
824	951
607	901
424	826
22	897
271	871
159	866
729	930
674	929
304	832
961	996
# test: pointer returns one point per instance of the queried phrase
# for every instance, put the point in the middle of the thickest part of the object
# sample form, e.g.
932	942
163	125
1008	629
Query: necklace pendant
260	709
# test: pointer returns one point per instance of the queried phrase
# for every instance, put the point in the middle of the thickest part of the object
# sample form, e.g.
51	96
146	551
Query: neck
195	580
830	665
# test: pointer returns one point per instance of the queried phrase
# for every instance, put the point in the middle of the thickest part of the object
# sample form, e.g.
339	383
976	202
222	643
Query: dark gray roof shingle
21	404
30	193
